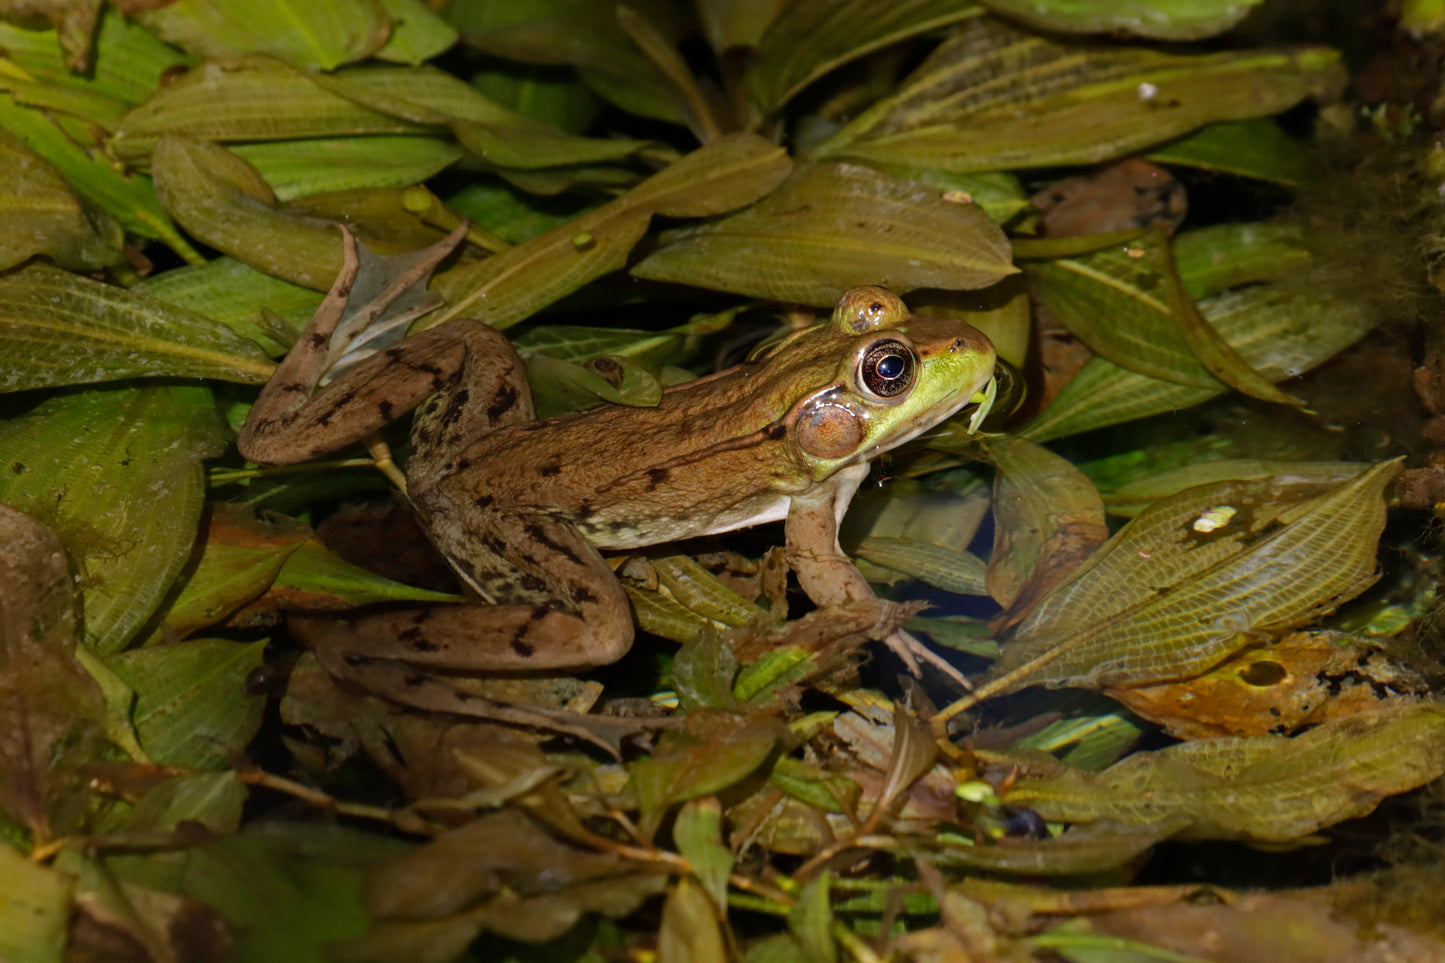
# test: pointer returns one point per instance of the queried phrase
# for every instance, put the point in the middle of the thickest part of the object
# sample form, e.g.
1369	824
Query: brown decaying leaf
50	707
1304	679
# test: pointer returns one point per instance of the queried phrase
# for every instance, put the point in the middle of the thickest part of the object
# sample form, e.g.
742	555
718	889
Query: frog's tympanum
521	507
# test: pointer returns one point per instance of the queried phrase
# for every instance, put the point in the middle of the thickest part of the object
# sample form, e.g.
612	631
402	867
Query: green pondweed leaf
512	285
1255	148
238	296
691	929
117	475
811	37
1197	576
40	214
961	573
724	749
828	226
320	34
417	33
1261	787
993	97
193	709
697	832
563	386
63	329
35	915
1169	20
295	168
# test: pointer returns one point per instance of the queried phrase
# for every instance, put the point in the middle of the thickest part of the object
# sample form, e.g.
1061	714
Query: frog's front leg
829	577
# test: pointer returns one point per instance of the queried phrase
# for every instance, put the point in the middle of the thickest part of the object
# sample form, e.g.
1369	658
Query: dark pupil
887	369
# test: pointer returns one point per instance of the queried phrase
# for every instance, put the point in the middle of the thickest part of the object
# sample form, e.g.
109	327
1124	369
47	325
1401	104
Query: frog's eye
887	369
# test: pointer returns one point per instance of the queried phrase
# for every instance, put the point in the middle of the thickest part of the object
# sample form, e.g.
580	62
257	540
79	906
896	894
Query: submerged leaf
308	33
1169	596
1159	19
58	328
994	97
117	474
830	227
1262	787
41	214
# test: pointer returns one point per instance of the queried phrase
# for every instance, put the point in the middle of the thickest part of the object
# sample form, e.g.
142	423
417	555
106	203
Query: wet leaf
129	67
193	709
993	97
730	749
698	835
1262	787
811	37
129	200
50	708
510	286
1304	679
248	100
315	576
36	910
1280	330
237	295
1154	328
503	873
43	216
1048	519
307	33
222	200
1133	497
691	930
1247	148
1169	20
62	329
559	387
117	474
313	166
811	921
417	33
827	227
1167	598
1087	849
702	672
818	788
961	573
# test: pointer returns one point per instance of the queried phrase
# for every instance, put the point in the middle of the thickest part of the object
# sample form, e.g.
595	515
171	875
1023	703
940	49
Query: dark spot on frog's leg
416	680
386	408
495	545
584	510
393	354
502	401
456	406
318	340
533	583
655	477
547	471
424	437
518	646
581	593
485	501
539	534
293	388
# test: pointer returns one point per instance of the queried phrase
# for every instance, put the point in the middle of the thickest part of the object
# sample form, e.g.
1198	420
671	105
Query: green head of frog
891	377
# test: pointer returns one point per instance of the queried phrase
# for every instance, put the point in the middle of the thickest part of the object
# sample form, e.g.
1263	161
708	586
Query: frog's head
896	376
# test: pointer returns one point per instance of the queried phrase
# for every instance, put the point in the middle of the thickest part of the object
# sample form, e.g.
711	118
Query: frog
522	508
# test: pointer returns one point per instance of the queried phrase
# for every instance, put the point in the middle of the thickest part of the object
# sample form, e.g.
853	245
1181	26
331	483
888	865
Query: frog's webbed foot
908	648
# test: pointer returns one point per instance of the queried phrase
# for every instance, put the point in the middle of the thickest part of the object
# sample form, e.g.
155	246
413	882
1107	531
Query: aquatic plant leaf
811	921
117	475
1256	148
316	165
39	214
1260	787
730	748
811	37
222	200
512	285
417	33
1085	849
994	97
1048	518
193	709
1281	330
585	35
1133	497
1169	596
248	100
128	199
63	329
697	831
237	295
961	573
559	387
320	34
130	64
1169	20
829	226
35	914
690	928
50	708
314	576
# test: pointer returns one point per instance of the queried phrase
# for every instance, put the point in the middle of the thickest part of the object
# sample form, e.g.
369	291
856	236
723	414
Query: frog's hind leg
561	606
